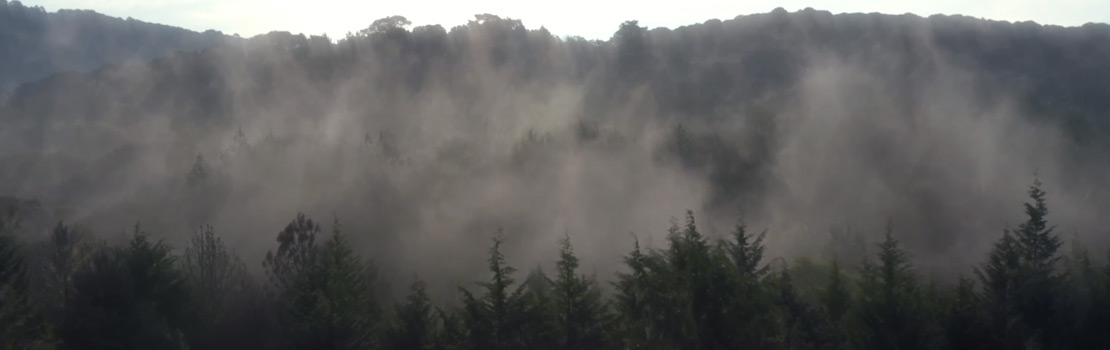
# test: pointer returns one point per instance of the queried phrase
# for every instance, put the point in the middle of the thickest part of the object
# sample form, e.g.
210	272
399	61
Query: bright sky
591	19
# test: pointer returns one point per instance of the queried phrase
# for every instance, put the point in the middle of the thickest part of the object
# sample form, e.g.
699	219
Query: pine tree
836	301
581	316
889	306
198	174
129	297
492	319
749	301
634	300
334	307
1082	303
63	253
220	285
796	322
21	322
415	326
1002	279
1039	245
963	325
296	253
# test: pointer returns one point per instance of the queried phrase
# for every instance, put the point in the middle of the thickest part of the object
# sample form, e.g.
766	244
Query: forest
73	291
859	181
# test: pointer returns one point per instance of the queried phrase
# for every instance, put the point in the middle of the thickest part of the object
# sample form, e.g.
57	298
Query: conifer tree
796	323
296	253
219	285
836	301
1039	292
963	325
334	307
493	319
581	316
749	301
129	297
634	302
63	252
1002	279
889	306
21	322
414	326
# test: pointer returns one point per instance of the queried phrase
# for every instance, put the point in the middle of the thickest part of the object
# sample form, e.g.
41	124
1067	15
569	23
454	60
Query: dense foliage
693	293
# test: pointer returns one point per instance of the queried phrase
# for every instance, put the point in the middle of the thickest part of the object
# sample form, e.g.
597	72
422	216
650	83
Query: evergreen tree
636	302
1083	302
581	315
129	297
296	253
699	288
963	326
21	323
537	321
836	301
1002	279
750	304
198	174
220	286
334	307
796	323
414	327
890	314
63	253
493	320
1038	295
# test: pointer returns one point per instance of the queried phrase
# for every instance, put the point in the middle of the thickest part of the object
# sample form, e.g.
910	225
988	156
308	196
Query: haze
589	19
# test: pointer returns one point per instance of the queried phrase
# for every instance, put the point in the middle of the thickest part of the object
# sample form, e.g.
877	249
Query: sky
589	19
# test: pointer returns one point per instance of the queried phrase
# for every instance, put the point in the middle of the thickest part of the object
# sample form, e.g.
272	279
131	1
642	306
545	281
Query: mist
425	142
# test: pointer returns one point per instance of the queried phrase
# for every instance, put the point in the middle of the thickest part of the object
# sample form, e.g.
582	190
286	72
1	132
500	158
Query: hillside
793	121
773	181
35	43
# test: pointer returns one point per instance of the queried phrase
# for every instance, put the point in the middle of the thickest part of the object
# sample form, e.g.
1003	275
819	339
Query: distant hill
804	120
35	43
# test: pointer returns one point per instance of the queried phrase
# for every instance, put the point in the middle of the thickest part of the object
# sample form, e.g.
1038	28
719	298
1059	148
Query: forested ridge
35	43
876	165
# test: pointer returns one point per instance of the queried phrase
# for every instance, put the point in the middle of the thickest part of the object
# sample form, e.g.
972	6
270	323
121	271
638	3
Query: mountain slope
801	121
35	43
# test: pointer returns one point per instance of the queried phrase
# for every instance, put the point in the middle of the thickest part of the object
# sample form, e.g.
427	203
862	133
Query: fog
424	143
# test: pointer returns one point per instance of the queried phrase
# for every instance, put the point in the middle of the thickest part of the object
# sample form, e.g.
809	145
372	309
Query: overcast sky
591	19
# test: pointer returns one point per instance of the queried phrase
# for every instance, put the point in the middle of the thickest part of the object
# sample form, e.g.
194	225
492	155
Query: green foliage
296	253
691	294
581	316
1021	283
964	323
220	287
334	306
128	297
836	302
890	314
414	324
495	320
21	322
63	253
